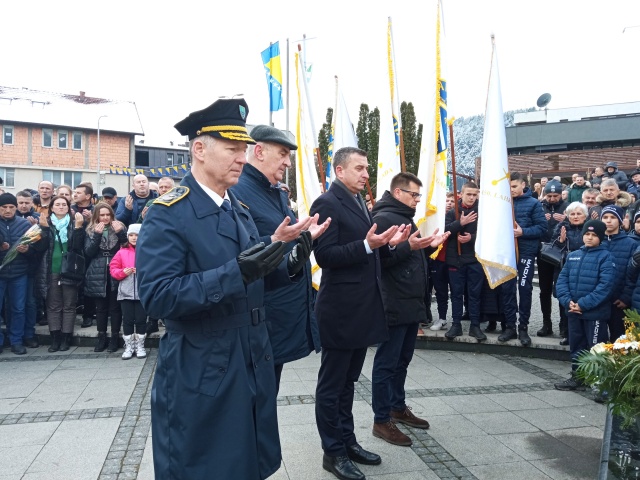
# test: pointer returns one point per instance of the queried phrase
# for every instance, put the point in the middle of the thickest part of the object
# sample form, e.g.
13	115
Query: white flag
495	244
307	182
389	144
432	169
342	133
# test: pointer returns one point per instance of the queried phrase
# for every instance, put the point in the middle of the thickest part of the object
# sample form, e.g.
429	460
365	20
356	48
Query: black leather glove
300	253
636	258
258	261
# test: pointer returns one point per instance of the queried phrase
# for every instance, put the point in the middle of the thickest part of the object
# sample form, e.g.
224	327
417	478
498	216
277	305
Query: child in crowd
584	289
123	269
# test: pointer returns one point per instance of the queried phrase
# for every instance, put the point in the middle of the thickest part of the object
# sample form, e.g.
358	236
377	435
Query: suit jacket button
267	357
216	297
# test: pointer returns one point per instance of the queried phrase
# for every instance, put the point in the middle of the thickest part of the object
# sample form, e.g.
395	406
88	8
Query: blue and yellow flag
273	69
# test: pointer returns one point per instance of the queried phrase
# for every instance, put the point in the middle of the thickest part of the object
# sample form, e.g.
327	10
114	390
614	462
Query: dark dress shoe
18	349
491	327
342	467
86	322
564	342
360	455
31	342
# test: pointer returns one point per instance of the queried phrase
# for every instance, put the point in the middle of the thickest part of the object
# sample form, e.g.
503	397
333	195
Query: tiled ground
82	415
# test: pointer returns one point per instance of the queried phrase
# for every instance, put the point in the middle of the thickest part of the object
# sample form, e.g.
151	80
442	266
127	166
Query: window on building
9	176
180	158
59	177
62	138
7	135
170	159
77	140
47	137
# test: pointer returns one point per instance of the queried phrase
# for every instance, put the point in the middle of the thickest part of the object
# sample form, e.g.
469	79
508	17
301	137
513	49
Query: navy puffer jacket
621	246
588	278
631	295
530	216
10	232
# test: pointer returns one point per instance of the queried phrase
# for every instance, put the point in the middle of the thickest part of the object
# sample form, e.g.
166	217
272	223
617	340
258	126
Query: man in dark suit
349	307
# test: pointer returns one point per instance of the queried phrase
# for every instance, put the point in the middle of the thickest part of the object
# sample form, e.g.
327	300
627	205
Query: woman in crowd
569	233
104	236
61	233
65	191
123	269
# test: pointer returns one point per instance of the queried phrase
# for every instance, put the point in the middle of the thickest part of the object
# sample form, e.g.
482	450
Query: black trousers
546	277
133	315
339	370
108	307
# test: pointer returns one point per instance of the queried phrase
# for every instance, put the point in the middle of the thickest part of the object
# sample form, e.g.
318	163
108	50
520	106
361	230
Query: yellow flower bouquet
30	236
614	369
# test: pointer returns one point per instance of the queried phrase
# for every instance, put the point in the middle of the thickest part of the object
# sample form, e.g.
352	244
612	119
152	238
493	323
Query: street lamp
98	180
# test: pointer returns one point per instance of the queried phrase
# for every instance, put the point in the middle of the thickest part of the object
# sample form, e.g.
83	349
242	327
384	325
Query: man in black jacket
404	283
465	272
349	307
553	207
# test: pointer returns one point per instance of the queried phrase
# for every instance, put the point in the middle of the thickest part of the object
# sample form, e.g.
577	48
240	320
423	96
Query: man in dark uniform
293	330
200	267
349	307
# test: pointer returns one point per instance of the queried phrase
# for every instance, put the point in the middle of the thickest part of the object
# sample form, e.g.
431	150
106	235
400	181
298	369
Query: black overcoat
349	306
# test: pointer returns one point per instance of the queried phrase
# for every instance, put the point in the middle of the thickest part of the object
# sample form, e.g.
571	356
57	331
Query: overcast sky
171	58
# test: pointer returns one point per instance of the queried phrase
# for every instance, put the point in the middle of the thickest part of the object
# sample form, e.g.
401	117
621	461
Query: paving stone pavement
82	415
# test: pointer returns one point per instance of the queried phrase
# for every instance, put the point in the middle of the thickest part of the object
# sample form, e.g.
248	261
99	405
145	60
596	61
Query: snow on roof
22	105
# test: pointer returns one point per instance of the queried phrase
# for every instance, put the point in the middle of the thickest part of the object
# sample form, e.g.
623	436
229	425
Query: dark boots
476	332
113	342
523	336
66	341
152	326
102	342
546	329
55	341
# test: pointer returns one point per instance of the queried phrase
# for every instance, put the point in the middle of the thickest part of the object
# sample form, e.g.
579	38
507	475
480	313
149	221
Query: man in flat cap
202	267
291	321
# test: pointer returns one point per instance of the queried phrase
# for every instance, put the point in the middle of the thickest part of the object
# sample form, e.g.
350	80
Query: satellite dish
544	100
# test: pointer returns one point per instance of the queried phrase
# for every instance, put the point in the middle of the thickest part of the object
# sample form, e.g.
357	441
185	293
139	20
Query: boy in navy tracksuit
621	246
584	288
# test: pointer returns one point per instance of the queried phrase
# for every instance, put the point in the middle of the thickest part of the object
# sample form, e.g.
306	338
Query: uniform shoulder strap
172	196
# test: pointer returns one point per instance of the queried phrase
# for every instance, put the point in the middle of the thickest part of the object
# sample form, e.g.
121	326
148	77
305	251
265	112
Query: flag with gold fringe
307	180
495	244
432	167
389	163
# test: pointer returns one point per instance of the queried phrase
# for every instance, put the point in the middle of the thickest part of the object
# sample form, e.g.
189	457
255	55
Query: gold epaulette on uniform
172	196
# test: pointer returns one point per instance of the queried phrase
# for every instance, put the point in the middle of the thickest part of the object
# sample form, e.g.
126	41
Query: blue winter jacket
588	277
291	321
530	216
631	295
621	246
10	232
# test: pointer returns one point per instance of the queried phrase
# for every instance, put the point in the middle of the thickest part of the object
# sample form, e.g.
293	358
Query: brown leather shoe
408	418
390	433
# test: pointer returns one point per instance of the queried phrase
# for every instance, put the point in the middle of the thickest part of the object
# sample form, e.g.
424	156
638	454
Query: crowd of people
237	297
44	285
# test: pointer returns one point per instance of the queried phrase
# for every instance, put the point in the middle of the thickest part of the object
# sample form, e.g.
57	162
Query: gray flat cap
265	133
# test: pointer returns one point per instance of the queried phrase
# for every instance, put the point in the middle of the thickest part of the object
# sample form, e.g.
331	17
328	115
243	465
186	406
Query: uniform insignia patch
243	111
172	196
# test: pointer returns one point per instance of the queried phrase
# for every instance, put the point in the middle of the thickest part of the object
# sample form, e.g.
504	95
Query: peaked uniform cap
225	118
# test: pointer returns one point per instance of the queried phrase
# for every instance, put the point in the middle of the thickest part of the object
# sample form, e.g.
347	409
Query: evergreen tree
362	130
373	139
410	137
324	137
